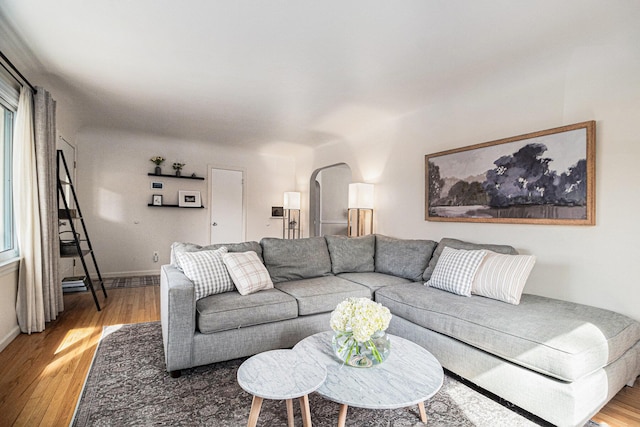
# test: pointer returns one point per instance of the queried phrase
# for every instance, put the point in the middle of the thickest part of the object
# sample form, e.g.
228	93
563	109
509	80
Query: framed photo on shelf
156	185
157	200
189	199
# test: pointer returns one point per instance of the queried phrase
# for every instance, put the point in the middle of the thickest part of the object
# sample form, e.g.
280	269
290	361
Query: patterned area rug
131	282
128	385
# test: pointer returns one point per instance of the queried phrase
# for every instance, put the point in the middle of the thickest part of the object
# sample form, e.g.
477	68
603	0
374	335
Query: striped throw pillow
247	271
455	270
503	277
207	271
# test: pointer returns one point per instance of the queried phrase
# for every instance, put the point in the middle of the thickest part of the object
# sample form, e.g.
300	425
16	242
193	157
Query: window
8	107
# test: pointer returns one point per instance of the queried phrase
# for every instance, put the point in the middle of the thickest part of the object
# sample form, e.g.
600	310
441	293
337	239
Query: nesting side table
281	375
408	377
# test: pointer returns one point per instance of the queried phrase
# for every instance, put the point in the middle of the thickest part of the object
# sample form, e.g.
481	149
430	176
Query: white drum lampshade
360	196
291	200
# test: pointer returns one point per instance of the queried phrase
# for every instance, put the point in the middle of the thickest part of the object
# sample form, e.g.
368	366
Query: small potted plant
158	161
178	167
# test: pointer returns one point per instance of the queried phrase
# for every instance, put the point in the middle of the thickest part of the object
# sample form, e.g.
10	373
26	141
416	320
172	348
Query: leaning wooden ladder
76	243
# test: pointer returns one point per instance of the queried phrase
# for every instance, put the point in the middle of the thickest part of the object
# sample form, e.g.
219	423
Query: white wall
114	190
593	265
9	328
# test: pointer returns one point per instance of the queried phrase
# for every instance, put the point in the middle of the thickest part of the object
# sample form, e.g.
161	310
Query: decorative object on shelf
545	177
291	215
359	337
189	199
277	211
68	245
158	161
178	168
360	216
157	200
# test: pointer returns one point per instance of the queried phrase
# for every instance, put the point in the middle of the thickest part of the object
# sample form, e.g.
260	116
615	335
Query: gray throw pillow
352	254
460	244
403	257
296	259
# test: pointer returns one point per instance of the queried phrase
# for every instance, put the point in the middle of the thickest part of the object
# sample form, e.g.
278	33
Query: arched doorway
328	200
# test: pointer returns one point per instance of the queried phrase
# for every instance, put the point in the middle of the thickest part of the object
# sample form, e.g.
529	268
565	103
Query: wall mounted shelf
175	206
179	177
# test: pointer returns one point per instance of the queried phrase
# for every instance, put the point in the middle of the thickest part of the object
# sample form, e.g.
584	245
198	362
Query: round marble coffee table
281	375
409	376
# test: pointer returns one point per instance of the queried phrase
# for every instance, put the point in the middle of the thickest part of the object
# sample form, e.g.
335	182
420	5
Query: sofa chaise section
564	346
557	338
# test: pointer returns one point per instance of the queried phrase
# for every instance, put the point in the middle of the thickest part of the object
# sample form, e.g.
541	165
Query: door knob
214	224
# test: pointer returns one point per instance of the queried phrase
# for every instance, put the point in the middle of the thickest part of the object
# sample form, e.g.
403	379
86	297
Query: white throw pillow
503	277
247	271
455	270
207	271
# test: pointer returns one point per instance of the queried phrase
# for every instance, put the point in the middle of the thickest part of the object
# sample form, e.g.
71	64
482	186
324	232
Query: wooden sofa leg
175	374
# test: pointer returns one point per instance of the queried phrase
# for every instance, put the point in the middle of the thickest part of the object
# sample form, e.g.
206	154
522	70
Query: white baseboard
6	340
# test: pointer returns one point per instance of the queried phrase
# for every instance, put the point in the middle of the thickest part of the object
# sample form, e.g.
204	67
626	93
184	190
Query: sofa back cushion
459	244
231	247
403	257
296	259
352	254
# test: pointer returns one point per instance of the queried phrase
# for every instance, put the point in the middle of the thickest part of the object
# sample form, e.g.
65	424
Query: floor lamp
291	218
360	218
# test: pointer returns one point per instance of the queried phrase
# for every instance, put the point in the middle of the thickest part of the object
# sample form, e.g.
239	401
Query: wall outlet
155	256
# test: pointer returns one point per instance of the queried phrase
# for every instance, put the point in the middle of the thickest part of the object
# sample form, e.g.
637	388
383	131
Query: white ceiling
283	71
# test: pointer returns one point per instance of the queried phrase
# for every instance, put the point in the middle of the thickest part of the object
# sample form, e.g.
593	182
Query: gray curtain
45	147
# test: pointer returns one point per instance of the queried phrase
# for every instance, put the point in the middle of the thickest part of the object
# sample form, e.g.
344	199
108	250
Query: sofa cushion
231	247
558	338
373	281
207	271
502	277
248	273
231	310
460	244
351	254
296	259
403	257
321	294
455	270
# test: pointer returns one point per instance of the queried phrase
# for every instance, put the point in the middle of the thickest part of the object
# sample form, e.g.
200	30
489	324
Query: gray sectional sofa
558	360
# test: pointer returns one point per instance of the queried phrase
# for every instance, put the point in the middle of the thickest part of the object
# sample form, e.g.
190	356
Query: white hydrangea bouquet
359	338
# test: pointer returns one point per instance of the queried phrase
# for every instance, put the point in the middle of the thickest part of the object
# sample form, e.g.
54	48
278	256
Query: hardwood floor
42	375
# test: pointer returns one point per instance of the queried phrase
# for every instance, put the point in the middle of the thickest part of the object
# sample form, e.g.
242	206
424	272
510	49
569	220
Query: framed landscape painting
545	177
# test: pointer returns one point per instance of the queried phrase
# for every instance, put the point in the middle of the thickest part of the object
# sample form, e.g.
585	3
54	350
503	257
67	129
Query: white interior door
227	213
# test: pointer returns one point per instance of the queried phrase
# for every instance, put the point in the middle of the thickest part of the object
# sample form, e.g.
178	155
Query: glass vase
361	354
